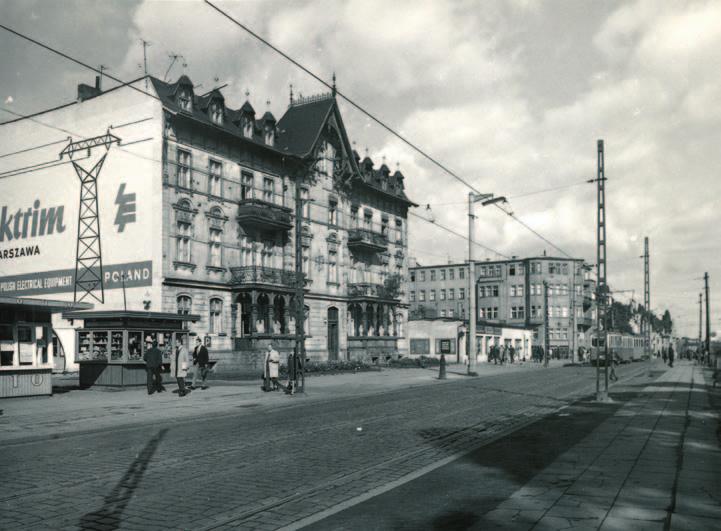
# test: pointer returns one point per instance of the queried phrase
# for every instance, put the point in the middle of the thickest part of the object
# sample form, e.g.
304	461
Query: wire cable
33	148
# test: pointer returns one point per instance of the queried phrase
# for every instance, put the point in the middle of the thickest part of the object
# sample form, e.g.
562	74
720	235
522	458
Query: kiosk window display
110	345
27	344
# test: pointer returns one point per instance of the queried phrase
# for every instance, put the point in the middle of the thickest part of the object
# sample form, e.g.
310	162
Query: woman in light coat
271	365
179	365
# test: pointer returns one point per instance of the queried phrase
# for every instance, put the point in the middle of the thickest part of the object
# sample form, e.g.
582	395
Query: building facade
511	292
213	215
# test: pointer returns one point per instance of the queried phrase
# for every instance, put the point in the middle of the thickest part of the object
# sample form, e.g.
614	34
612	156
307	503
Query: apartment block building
511	292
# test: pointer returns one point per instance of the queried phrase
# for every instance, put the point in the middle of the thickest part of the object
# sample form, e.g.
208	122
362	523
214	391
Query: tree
667	322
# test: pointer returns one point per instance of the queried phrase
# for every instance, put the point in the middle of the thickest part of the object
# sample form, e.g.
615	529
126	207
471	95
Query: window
451	274
183	176
461	273
215	248
183	242
461	293
420	346
443	274
443	294
564	311
519	290
305	200
518	312
450	312
354	217
451	294
332	268
384	226
247	128
512	269
564	269
399	230
268	194
423	276
495	290
535	267
512	290
368	220
432	295
443	313
413	276
215	320
246	185
215	175
185	99
484	271
269	135
412	296
185	304
333	212
216	112
433	275
422	296
306	262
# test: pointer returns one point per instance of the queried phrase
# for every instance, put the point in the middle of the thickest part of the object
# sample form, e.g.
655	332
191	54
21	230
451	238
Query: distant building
511	292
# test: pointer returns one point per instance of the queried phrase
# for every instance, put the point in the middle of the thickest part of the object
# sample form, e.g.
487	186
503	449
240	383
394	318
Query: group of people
668	355
271	370
179	366
502	355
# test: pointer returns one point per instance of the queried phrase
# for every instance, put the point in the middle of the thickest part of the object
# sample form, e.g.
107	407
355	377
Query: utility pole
573	315
708	321
486	199
602	288
299	281
700	321
546	319
646	299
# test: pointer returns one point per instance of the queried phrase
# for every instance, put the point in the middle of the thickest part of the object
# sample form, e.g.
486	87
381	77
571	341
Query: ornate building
229	230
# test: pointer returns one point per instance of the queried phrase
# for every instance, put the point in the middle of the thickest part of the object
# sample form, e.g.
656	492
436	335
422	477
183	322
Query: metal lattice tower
602	287
646	299
88	254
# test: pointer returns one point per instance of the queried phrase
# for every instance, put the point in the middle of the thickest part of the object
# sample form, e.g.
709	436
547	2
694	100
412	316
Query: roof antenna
102	69
291	94
333	89
174	57
145	60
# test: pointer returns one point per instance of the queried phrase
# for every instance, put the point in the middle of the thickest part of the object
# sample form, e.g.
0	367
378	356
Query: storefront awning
44	304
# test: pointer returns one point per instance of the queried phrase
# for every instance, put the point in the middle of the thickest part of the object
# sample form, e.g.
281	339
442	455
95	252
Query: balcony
259	213
369	291
366	240
259	276
584	323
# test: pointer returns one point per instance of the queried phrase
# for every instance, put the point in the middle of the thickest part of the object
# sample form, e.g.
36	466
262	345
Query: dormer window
248	128
185	99
216	112
269	136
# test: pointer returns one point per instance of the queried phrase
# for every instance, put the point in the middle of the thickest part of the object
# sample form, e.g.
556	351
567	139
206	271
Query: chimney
86	92
97	83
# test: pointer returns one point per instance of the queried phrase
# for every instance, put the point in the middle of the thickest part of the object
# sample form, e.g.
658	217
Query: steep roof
301	125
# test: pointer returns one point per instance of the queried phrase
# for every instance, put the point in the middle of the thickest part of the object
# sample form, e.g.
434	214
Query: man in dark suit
153	362
201	364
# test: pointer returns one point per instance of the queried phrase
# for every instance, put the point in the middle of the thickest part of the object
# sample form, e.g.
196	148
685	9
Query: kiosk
26	344
109	347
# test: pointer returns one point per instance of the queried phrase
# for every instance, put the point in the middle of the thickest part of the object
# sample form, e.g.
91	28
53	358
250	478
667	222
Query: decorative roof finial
247	93
291	93
366	150
333	89
398	166
384	159
267	103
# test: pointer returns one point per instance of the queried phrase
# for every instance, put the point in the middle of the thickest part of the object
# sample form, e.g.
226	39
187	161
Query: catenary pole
546	342
471	289
708	320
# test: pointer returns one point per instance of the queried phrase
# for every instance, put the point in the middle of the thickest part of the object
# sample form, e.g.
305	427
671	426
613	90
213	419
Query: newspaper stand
110	345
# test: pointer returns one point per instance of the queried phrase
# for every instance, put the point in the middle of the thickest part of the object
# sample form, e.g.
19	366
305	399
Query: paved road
266	468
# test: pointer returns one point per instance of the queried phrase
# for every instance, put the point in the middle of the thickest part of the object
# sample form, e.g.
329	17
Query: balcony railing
256	212
367	240
368	290
259	275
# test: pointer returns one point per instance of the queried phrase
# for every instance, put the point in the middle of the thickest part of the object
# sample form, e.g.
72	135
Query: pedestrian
179	365
153	362
670	355
200	364
614	361
664	355
272	361
511	354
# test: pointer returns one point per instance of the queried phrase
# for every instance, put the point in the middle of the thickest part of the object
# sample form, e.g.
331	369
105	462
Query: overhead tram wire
102	72
64	140
371	116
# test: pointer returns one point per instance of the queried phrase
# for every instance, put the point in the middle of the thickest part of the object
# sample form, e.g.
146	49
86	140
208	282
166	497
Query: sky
511	95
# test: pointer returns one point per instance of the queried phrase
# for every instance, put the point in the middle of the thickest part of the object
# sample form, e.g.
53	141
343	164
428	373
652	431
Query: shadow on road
107	518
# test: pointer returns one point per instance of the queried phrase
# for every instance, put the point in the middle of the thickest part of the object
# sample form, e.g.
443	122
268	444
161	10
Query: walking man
200	362
670	355
179	365
153	362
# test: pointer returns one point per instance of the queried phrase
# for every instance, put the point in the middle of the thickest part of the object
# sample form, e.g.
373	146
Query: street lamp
485	200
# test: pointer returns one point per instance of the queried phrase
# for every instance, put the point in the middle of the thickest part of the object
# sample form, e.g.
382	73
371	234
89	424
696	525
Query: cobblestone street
264	468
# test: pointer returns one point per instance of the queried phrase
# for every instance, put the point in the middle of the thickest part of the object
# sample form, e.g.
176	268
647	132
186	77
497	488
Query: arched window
216	112
185	304
215	318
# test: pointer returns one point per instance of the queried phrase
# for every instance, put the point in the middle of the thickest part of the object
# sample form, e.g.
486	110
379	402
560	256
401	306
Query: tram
625	348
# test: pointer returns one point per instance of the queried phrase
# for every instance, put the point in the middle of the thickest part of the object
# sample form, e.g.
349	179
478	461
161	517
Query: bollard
442	368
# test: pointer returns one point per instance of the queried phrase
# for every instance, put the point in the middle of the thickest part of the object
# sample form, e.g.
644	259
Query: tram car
625	348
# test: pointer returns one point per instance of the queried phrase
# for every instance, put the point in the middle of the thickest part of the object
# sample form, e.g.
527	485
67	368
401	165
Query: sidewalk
82	411
654	464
